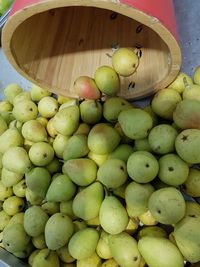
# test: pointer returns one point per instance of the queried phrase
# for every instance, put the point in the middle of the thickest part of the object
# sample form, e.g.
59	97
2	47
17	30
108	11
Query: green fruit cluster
92	183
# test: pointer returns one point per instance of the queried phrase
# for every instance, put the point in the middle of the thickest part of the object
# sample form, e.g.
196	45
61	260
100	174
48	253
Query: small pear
169	255
143	145
76	147
136	197
17	218
192	92
58	230
142	166
54	166
51	129
25	110
98	159
79	225
64	255
103	249
85	87
42	120
167	205
11	91
41	153
113	106
9	178
10	138
180	82
48	107
81	171
13	205
15	238
46	258
34	131
103	139
61	189
66	208
91	111
79	248
112	173
39	241
83	128
16	159
154	231
125	250
164	103
93	261
192	184
4	219
113	216
32	198
122	152
51	207
19	189
59	144
3	125
37	93
5	105
5	192
95	222
66	121
141	126
7	116
32	256
87	203
23	96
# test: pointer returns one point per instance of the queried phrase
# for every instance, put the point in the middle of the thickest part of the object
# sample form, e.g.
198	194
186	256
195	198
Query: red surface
163	10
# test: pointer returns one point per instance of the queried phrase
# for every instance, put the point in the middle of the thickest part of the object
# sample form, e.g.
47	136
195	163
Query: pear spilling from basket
98	181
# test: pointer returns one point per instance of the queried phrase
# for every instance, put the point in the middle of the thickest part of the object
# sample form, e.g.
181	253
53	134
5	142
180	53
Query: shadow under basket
52	43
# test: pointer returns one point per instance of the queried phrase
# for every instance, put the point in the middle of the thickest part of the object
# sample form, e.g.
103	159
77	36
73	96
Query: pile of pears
99	181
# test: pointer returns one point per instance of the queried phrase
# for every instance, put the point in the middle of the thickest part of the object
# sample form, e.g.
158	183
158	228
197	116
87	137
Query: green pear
93	261
124	250
4	219
51	207
79	248
187	145
103	139
43	121
15	238
173	170
25	110
125	61
66	208
91	111
180	82
197	75
186	115
32	256
23	96
142	166
136	197
37	93
164	103
98	159
46	258
187	237
79	225
59	144
167	205
9	178
41	153
122	152
16	159
192	209
113	106
10	138
192	184
54	166
112	173
33	226
76	147
192	92
113	216
5	105
58	230
61	189
32	198
64	254
51	129
5	191
158	251
143	145
87	203
39	241
162	138
17	218
3	125
48	107
103	248
110	263
136	123
107	80
66	121
11	91
83	128
34	131
95	222
38	181
81	171
19	189
154	231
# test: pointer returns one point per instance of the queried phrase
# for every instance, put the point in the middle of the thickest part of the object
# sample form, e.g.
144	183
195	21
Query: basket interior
56	46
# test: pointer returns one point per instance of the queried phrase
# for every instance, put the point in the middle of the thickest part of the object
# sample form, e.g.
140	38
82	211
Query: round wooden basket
52	42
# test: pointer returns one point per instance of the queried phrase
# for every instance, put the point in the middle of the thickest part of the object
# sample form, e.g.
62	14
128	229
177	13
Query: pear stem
48	254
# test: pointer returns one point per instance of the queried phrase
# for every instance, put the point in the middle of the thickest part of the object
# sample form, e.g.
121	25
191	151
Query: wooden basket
52	42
